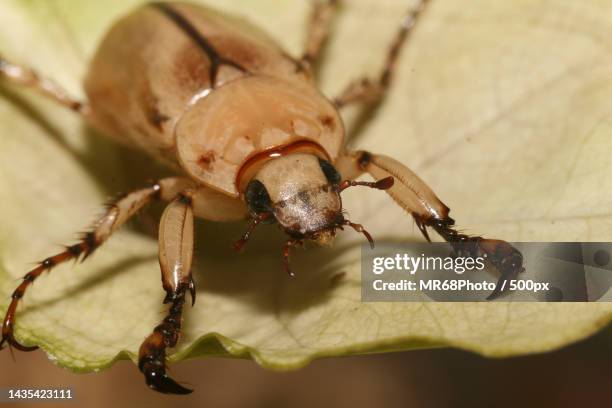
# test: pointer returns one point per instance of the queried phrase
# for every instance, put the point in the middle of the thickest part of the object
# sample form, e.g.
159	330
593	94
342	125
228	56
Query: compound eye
257	198
330	172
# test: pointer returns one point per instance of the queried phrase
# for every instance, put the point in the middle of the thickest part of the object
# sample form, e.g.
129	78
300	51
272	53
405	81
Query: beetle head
301	192
298	191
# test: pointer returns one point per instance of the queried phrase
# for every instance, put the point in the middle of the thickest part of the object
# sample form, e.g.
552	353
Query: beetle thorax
239	120
303	200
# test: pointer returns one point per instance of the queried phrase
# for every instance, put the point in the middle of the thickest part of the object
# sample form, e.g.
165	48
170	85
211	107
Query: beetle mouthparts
361	229
325	237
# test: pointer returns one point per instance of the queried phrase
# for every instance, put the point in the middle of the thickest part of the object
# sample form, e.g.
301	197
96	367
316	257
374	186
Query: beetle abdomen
158	59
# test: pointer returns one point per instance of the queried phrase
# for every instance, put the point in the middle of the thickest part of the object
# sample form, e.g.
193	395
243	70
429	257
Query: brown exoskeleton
250	136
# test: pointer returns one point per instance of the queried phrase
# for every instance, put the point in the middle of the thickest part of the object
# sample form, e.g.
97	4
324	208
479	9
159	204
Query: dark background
579	375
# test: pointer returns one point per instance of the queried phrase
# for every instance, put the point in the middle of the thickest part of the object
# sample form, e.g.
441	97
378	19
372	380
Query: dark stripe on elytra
215	59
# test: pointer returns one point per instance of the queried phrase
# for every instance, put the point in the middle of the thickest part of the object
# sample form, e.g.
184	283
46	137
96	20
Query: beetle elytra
250	137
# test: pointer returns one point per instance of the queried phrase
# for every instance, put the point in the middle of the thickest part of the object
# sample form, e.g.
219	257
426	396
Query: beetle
250	137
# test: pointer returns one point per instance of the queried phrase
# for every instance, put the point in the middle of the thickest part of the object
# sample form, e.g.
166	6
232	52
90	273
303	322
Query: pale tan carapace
165	101
249	134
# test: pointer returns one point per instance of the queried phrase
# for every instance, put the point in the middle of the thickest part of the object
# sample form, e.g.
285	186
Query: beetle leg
373	89
116	215
318	30
414	196
25	76
175	257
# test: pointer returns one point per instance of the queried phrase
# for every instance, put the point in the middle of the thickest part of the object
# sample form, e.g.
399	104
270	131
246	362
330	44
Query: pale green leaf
502	107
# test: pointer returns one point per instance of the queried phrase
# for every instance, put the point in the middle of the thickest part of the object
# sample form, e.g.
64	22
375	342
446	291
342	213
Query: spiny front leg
373	89
318	30
414	196
116	215
25	76
175	257
504	257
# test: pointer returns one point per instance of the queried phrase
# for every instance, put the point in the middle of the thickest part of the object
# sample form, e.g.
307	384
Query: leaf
502	107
